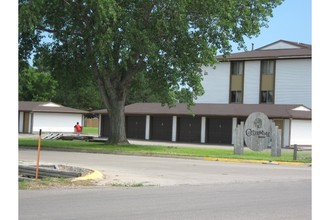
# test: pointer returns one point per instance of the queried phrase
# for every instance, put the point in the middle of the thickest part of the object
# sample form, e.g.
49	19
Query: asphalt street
160	171
172	189
240	201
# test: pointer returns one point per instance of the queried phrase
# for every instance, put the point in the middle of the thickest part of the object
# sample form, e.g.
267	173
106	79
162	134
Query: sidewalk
164	143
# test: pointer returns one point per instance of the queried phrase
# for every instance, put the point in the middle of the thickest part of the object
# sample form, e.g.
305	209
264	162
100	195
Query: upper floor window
266	97
267	67
236	68
236	97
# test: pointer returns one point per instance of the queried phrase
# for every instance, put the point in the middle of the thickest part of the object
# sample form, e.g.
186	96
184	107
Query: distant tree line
64	85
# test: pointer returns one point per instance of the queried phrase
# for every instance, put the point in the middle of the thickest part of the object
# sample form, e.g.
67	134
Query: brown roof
229	110
303	51
31	106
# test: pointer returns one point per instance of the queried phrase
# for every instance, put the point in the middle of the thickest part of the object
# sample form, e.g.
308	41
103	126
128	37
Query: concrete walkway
169	144
139	142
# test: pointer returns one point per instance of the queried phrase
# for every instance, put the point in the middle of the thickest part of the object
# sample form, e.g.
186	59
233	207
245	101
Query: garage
135	127
301	132
161	128
47	117
189	129
218	130
211	123
55	122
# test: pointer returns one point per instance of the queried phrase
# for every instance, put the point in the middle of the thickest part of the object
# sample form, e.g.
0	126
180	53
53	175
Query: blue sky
291	21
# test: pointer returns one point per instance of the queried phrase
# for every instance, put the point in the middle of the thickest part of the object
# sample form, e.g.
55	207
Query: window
267	67
266	97
236	68
236	97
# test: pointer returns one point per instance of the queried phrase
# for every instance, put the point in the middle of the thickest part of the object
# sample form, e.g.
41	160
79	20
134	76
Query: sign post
38	157
258	133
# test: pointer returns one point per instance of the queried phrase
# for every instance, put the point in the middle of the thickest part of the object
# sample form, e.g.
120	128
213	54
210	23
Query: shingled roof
293	51
229	110
31	106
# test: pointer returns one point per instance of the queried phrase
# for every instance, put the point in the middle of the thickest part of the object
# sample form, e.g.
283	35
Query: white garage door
301	132
55	122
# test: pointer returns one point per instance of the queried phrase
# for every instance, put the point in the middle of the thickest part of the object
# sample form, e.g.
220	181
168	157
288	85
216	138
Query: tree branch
41	28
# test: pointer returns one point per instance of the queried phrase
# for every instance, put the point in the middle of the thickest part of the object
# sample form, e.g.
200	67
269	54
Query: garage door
135	127
161	128
189	129
218	130
55	122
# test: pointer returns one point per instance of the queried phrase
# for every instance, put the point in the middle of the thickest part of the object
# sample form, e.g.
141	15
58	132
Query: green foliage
76	88
140	91
36	86
120	43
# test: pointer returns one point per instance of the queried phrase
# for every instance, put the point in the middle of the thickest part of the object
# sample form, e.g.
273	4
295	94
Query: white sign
257	131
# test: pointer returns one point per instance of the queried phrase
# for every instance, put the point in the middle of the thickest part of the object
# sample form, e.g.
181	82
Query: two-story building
278	73
274	79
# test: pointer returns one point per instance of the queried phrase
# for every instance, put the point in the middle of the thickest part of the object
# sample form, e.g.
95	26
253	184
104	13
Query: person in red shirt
78	128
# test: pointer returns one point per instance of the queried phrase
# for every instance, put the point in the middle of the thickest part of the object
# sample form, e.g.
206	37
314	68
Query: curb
255	161
92	176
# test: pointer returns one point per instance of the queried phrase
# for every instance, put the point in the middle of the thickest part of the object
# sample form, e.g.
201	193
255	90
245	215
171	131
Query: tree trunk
117	133
114	97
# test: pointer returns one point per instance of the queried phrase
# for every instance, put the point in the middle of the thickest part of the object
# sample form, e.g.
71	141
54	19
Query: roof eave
263	58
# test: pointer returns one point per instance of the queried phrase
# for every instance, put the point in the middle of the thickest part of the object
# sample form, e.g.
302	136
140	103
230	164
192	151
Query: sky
291	21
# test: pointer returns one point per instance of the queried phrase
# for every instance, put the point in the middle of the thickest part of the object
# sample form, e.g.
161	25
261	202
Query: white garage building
47	116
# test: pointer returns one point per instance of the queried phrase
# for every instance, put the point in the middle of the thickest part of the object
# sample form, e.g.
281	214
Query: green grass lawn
90	131
99	147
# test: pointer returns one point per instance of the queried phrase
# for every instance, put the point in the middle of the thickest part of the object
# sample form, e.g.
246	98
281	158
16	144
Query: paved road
254	200
169	171
181	189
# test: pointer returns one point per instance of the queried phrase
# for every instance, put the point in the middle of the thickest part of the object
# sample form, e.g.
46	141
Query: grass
127	184
50	182
99	147
90	130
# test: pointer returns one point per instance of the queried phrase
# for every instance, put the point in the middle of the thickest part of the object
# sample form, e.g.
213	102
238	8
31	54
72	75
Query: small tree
167	42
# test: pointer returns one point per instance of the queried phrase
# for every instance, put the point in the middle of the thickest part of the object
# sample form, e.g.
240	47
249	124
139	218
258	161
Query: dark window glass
267	67
237	68
236	97
266	97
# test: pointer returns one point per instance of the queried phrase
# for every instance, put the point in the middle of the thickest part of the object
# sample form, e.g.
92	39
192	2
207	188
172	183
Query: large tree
119	42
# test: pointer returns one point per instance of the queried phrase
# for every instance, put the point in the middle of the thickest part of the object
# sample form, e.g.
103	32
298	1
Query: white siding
216	84
293	82
55	122
280	45
251	82
301	132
